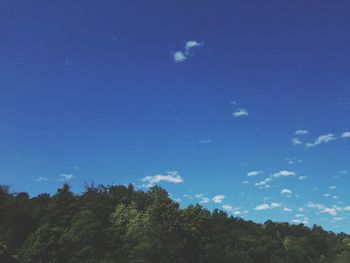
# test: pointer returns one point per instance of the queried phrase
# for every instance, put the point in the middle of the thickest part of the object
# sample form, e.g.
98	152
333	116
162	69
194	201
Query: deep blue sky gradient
90	88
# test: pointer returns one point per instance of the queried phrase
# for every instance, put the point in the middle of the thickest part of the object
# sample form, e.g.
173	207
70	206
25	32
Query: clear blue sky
192	95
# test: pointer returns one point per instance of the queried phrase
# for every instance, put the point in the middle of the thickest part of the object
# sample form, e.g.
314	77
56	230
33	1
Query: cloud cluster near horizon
169	177
65	177
267	206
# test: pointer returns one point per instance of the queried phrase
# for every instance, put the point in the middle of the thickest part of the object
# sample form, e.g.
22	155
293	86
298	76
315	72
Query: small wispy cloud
218	199
301	132
42	179
301	178
240	112
202	199
267	206
329	210
275	205
227	207
234	210
333	211
283	173
296	141
65	177
286	192
253	173
179	56
182	55
345	135
293	161
336	219
264	183
322	139
192	43
169	177
300	219
206	141
262	207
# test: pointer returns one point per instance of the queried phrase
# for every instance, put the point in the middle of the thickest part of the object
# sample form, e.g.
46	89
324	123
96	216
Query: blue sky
238	105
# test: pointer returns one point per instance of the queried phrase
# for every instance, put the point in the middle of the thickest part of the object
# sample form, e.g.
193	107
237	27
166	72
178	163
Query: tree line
109	224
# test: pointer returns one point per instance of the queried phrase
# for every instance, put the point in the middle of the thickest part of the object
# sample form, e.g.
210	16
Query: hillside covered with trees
118	224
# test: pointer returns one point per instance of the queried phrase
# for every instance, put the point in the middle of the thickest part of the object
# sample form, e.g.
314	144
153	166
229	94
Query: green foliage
111	224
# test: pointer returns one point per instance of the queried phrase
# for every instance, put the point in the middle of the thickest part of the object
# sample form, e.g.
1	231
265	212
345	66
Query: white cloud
286	191
263	183
206	141
286	209
294	160
332	187
345	135
296	141
192	43
315	206
245	182
218	199
240	113
275	205
298	221
323	209
267	206
169	177
65	177
332	211
346	208
322	139
42	179
179	56
253	173
234	210
202	199
227	207
302	178
335	219
301	132
262	207
283	173
299	215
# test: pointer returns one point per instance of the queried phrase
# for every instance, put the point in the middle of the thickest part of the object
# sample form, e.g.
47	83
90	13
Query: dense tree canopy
118	224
